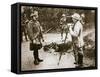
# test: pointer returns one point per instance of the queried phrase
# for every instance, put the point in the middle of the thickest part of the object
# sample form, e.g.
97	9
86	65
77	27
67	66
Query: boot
40	60
80	60
36	62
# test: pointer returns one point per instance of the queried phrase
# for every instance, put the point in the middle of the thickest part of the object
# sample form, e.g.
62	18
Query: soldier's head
83	15
34	15
63	15
76	17
25	16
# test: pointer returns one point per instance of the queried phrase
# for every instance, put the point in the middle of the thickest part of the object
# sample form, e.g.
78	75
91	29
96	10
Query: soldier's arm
76	31
60	22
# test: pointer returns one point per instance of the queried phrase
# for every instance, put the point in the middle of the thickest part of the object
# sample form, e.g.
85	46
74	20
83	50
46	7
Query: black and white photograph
57	38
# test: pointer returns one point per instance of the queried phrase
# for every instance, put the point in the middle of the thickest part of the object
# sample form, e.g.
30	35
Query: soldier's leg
75	54
22	30
80	56
42	36
25	34
62	33
65	36
35	54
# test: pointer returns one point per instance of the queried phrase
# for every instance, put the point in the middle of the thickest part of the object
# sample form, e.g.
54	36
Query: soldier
77	38
83	18
23	28
62	24
33	29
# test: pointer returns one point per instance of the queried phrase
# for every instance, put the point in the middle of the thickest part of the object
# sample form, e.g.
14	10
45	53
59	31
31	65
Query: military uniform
33	29
77	38
63	24
23	27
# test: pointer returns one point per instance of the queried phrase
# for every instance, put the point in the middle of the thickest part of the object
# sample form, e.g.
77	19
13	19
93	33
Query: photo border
60	69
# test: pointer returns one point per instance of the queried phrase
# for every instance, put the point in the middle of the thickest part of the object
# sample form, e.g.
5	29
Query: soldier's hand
70	28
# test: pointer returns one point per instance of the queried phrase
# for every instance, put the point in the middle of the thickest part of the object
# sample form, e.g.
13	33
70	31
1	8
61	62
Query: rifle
48	30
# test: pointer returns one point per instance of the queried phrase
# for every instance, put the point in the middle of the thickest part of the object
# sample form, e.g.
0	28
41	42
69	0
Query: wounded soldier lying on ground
63	47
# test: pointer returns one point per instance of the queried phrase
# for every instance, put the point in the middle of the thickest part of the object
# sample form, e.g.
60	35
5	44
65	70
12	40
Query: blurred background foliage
50	17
